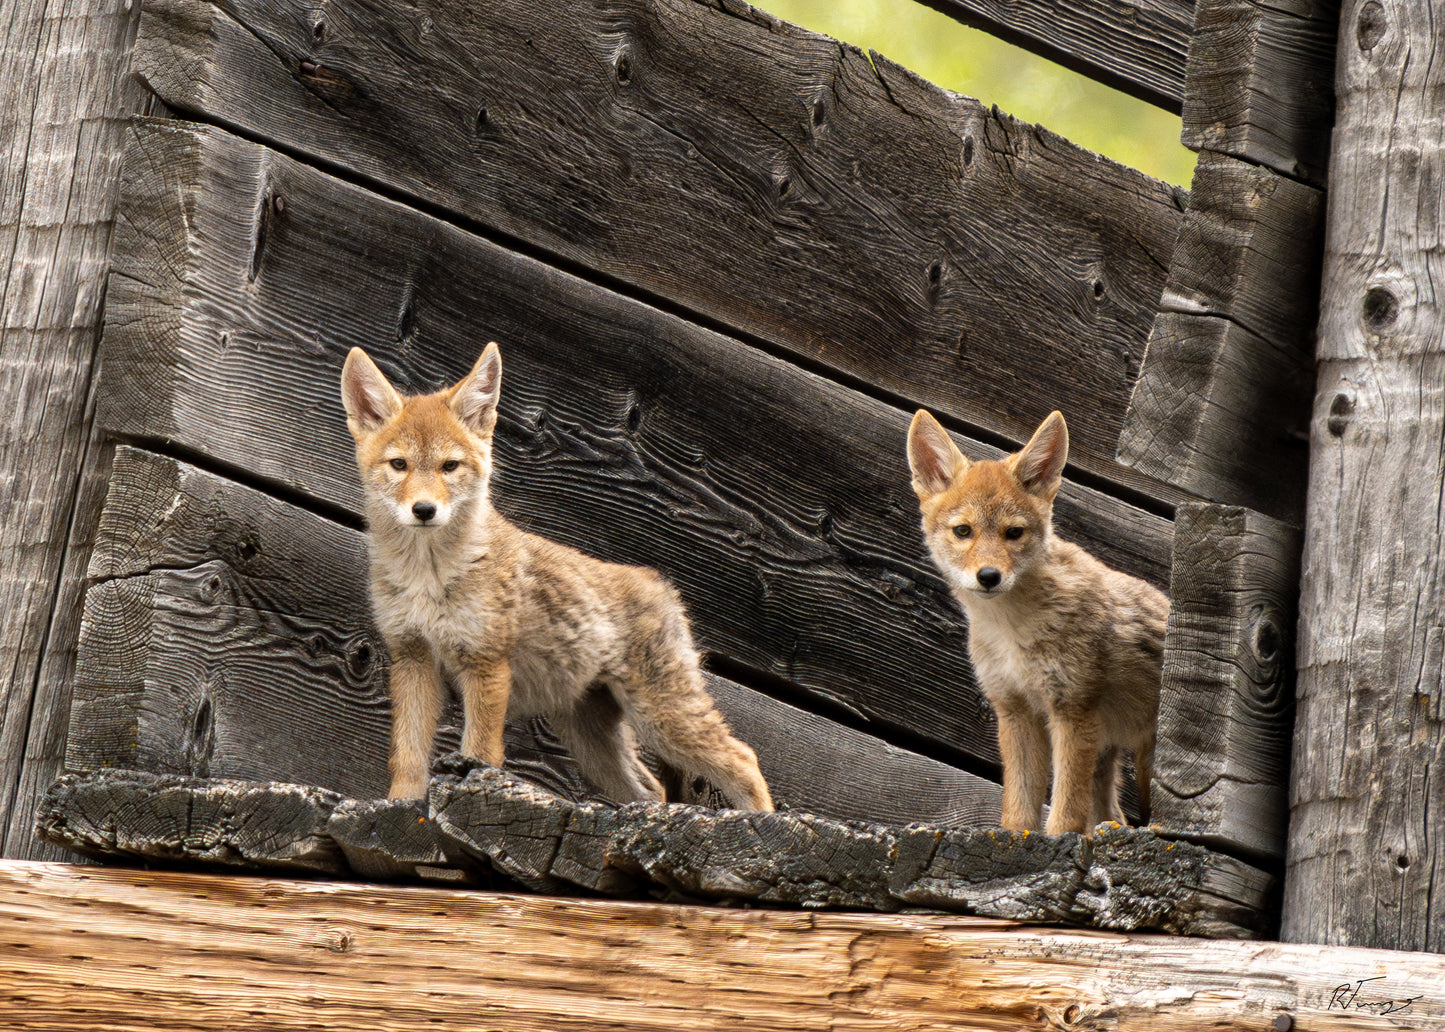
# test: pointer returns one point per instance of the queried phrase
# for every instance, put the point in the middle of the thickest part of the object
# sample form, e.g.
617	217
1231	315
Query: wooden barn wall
812	198
777	500
725	258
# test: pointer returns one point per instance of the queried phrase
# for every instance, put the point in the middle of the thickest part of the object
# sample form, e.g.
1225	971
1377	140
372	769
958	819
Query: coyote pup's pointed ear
369	399
934	459
474	399
1039	468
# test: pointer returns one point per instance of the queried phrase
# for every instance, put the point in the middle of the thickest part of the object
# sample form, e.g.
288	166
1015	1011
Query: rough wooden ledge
90	948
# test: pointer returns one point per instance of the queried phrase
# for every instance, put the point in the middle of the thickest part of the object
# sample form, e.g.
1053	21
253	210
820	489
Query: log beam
236	952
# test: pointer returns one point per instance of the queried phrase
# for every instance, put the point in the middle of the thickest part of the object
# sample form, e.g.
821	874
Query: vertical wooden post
65	95
1366	866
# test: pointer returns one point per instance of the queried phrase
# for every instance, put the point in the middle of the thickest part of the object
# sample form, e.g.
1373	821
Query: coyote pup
522	625
1067	650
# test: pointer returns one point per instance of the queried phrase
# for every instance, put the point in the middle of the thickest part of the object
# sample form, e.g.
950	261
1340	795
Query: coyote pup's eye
963	530
450	466
398	464
1014	533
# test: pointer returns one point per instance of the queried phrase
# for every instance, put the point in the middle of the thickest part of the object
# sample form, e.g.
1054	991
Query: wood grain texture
143	818
64	77
764	492
227	634
1221	406
482	822
1222	765
776	182
1137	47
1260	83
1366	864
282	954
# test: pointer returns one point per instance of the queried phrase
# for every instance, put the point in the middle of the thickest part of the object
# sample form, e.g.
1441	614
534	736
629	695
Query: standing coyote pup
523	625
1067	650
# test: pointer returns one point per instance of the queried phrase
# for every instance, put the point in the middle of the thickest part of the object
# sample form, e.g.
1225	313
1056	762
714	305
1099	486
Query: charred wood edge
1222	765
1259	84
171	30
1140	49
480	819
1222	404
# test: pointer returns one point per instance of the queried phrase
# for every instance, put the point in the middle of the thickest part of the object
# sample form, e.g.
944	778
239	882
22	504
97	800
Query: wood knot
338	940
1380	309
1371	26
1341	409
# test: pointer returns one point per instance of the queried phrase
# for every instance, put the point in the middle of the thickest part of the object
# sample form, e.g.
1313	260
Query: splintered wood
123	950
484	826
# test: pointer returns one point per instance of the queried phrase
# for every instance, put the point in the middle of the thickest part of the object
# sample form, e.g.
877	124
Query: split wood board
1138	46
777	501
227	634
1222	405
483	824
779	184
91	947
1260	83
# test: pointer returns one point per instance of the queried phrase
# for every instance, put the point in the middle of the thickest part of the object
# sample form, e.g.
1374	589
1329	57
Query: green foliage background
1031	88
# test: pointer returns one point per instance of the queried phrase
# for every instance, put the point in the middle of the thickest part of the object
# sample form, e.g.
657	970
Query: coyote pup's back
1067	650
522	624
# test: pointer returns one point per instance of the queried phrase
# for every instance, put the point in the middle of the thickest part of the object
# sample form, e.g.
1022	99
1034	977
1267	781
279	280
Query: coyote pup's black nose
989	578
423	511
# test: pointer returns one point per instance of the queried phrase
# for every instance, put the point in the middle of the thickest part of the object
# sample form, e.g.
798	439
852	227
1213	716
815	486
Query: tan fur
521	624
1067	650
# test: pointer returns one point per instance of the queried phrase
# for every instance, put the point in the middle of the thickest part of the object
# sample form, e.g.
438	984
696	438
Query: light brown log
1366	864
93	948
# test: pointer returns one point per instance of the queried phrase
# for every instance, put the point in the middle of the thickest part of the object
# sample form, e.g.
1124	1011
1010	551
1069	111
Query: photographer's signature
1347	997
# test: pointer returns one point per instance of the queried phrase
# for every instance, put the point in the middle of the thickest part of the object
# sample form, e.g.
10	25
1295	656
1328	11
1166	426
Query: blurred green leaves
1031	88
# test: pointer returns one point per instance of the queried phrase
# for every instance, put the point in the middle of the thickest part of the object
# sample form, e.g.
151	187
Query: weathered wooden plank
481	819
393	840
1138	46
1222	402
65	79
227	634
157	817
762	491
1260	83
775	181
1365	864
238	952
1223	759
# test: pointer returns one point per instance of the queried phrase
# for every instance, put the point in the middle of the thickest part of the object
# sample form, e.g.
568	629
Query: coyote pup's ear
934	459
474	399
1039	468
370	400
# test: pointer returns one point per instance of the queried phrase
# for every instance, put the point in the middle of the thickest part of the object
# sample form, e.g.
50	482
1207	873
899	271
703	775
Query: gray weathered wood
1138	46
765	493
1222	403
1260	83
227	633
1365	863
395	840
67	91
482	819
777	182
1222	763
545	842
133	815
